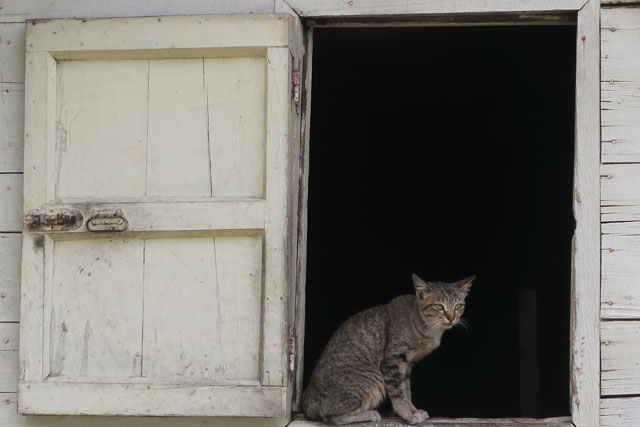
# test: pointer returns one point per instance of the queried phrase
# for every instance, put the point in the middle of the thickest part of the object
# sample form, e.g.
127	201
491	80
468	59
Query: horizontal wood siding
620	412
620	190
21	10
620	349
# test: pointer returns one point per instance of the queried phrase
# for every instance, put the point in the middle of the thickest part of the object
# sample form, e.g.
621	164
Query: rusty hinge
53	220
296	89
293	344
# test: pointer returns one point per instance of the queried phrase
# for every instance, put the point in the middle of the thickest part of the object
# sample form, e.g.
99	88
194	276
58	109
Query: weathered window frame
585	283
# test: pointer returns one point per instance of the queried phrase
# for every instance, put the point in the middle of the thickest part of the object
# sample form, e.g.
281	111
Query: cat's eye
458	306
438	307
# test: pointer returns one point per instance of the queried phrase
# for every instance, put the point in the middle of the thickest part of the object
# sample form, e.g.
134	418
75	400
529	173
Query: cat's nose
450	317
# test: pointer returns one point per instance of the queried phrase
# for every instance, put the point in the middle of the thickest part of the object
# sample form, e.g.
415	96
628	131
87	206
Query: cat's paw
375	416
419	416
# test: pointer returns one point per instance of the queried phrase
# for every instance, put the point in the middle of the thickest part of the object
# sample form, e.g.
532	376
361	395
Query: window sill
300	421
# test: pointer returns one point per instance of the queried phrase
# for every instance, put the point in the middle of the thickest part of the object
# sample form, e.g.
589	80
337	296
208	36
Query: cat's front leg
419	415
396	374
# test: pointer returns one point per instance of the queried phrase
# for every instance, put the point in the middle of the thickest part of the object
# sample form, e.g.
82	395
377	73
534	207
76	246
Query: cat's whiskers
465	325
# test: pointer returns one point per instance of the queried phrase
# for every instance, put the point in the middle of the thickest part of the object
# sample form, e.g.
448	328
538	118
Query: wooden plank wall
13	14
620	187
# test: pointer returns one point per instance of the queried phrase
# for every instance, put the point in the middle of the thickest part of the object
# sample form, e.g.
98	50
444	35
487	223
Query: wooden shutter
157	216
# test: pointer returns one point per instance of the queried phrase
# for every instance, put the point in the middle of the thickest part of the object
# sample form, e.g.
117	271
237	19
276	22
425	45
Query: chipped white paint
194	151
620	346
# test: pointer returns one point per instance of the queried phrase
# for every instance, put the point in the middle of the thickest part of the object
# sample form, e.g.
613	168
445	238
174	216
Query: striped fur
371	355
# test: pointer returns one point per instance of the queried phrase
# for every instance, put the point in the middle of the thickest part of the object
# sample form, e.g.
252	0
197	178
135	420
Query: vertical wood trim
301	268
274	318
585	322
40	132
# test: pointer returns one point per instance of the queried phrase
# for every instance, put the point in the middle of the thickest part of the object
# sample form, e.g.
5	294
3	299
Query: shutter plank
178	152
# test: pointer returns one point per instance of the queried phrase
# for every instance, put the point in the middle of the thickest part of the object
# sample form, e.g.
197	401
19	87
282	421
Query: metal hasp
107	220
53	220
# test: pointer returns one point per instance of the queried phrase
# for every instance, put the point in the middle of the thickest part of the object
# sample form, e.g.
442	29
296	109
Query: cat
371	355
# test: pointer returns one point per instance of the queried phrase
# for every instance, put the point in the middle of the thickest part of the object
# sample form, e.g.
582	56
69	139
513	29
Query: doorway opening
448	152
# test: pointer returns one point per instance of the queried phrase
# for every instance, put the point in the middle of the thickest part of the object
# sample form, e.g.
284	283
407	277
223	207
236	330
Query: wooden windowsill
300	421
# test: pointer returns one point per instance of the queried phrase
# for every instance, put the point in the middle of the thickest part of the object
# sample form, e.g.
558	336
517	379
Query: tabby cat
371	355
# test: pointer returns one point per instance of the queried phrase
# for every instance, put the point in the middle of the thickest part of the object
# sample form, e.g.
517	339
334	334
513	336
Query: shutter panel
157	216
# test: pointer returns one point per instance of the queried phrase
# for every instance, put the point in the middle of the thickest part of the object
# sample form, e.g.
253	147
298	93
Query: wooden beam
585	292
141	399
327	8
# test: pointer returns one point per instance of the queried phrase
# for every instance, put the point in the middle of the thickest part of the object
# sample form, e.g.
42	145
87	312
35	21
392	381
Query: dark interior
449	152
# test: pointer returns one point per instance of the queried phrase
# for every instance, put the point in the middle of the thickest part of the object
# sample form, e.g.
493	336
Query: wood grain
620	270
10	247
12	126
236	97
12	53
620	412
102	125
620	38
9	417
123	34
177	160
9	336
620	346
274	327
20	10
8	370
93	302
453	422
585	298
141	399
314	8
10	202
220	289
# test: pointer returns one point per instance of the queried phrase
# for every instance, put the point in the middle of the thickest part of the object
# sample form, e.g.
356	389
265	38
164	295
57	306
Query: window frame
585	278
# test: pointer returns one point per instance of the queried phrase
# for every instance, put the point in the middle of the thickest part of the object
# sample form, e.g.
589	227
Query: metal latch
53	220
107	220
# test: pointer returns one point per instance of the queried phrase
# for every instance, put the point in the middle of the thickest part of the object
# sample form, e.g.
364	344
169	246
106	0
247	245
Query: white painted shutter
157	216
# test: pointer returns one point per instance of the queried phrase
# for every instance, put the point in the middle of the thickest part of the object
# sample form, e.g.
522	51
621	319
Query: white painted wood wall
620	186
620	331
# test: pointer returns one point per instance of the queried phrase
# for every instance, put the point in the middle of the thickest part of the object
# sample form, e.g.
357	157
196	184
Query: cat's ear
423	288
464	285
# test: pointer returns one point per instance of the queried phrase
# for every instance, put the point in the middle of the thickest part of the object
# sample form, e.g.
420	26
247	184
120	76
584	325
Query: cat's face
439	303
